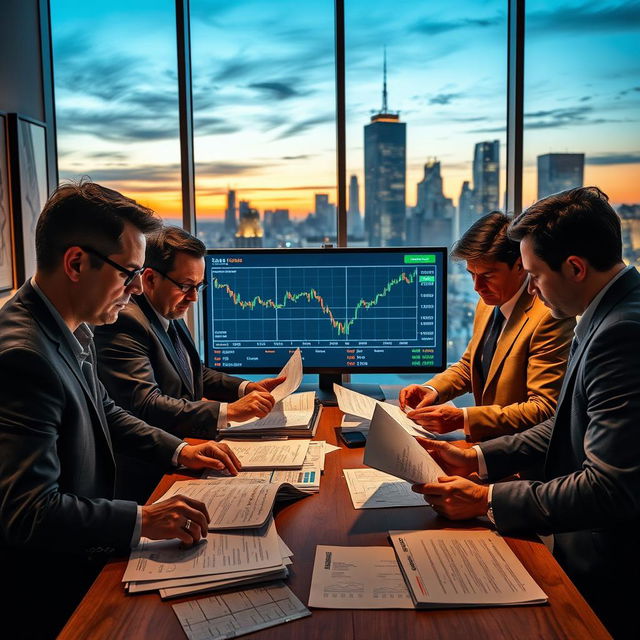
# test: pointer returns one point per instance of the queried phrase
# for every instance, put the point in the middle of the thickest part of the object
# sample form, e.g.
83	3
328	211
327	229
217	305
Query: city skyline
264	95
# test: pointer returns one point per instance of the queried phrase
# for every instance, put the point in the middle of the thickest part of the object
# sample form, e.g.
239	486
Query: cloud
435	27
304	125
586	18
300	157
570	116
228	168
613	158
444	98
276	90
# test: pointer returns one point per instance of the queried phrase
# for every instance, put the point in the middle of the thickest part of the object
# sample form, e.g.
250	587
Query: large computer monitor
349	310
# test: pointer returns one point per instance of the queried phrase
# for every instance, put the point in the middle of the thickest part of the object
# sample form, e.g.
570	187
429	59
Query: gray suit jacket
57	440
586	459
137	363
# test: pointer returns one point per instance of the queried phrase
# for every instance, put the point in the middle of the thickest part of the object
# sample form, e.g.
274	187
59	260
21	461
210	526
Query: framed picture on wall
29	187
6	243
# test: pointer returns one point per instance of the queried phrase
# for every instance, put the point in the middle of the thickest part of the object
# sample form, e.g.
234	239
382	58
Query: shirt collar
80	339
507	308
163	321
584	320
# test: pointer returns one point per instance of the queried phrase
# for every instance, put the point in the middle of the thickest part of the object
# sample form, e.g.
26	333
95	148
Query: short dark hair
577	222
87	214
487	238
163	246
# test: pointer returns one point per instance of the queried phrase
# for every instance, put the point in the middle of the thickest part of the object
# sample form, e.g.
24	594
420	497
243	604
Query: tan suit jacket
526	371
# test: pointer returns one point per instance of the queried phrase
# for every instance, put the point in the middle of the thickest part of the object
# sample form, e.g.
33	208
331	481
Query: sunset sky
263	76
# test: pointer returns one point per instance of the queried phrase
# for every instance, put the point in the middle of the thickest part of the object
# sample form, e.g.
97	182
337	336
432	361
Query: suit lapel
517	321
483	315
163	336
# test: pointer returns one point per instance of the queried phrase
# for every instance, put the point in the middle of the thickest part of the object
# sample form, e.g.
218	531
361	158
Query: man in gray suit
585	461
58	427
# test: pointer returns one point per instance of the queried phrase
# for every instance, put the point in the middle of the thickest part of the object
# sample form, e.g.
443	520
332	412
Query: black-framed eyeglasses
183	286
131	274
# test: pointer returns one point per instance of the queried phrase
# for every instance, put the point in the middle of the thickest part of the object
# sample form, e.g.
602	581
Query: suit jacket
137	363
525	375
587	461
57	467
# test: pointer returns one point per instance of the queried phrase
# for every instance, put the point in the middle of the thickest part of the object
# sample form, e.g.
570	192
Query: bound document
455	568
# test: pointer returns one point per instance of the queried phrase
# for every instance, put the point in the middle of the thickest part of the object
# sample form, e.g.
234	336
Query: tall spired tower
385	170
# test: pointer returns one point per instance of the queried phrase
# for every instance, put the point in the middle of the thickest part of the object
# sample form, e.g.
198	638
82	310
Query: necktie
573	348
183	356
490	341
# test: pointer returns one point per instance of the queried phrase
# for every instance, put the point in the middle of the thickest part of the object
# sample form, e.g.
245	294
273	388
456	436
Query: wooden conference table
107	612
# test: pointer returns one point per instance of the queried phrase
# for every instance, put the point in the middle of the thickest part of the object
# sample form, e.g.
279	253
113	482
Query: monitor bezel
344	250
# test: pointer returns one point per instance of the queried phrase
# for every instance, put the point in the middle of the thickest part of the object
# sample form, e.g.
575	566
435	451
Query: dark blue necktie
573	348
181	352
490	342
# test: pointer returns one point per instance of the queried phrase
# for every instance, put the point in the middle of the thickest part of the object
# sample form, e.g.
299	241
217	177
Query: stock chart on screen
346	309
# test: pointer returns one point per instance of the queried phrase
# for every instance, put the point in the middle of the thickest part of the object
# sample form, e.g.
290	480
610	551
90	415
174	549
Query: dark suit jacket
587	460
137	363
57	466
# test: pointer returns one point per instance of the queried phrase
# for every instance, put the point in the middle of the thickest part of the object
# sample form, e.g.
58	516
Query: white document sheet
391	449
270	454
234	614
219	552
457	568
358	578
294	411
293	371
357	404
373	489
231	503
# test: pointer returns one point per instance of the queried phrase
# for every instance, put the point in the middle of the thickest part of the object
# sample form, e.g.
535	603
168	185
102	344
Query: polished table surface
107	612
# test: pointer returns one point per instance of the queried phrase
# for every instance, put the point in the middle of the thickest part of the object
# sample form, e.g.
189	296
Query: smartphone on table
353	439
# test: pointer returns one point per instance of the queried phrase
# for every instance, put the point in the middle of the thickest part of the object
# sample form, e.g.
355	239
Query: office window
582	100
264	122
426	128
116	97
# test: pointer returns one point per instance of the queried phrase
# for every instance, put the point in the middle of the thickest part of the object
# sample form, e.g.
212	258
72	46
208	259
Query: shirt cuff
176	453
482	465
135	538
428	386
466	421
490	509
241	388
222	423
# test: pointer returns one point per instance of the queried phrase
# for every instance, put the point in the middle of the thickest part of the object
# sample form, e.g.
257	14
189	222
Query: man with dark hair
585	461
59	428
517	355
147	359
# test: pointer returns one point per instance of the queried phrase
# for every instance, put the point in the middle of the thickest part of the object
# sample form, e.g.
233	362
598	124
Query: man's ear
149	279
74	261
576	268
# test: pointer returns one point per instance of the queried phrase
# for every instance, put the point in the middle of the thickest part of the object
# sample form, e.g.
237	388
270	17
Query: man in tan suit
516	359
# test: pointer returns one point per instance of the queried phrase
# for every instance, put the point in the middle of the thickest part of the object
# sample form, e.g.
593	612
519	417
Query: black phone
353	438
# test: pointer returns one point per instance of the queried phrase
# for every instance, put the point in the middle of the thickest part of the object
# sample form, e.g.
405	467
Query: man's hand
455	498
255	404
176	517
454	460
415	396
440	419
268	384
210	455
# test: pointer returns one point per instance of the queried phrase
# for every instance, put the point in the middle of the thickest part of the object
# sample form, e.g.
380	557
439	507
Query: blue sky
263	75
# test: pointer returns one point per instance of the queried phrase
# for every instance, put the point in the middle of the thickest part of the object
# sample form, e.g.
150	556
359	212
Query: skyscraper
325	214
559	171
250	232
466	209
354	219
230	221
385	168
486	176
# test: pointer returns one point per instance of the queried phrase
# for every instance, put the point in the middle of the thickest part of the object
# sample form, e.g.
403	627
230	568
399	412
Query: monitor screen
349	310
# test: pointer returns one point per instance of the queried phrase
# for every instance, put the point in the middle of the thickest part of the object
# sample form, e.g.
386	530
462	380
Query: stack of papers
222	559
257	455
362	408
234	614
373	489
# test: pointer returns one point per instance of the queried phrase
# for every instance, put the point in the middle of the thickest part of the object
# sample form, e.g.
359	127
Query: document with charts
391	449
458	568
358	578
234	614
269	454
373	489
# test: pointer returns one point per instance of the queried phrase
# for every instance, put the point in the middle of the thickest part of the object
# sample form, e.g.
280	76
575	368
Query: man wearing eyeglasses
59	429
147	359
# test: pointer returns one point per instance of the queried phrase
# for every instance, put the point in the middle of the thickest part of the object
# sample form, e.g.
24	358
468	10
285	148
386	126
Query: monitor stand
324	389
